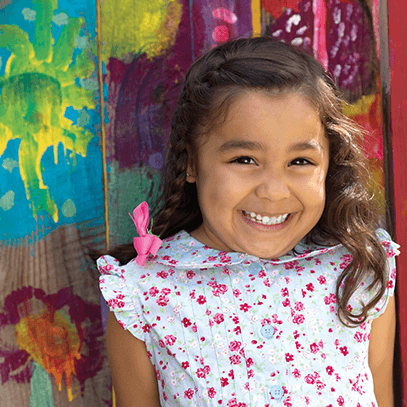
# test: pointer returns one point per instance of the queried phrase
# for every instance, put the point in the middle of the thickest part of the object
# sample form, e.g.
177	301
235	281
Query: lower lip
259	226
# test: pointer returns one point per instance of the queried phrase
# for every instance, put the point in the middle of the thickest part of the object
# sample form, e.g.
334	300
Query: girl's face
260	175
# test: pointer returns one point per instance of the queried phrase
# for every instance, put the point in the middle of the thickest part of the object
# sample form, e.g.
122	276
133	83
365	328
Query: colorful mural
52	142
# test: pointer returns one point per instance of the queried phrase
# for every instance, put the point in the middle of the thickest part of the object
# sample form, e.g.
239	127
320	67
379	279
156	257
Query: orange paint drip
53	342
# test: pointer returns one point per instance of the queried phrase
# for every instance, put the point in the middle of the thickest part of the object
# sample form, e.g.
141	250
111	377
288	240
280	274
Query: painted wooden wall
87	91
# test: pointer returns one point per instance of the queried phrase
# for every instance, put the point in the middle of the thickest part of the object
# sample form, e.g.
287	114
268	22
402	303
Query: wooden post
395	90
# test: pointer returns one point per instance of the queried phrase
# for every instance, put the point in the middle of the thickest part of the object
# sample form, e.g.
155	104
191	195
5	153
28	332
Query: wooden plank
397	32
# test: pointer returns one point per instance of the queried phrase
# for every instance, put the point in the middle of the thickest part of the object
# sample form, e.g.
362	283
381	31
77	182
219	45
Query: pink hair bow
147	242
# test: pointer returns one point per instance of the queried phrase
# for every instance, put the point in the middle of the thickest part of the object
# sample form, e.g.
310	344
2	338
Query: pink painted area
397	9
375	15
224	14
320	52
220	33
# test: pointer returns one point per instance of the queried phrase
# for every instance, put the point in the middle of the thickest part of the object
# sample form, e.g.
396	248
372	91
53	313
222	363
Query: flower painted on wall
64	339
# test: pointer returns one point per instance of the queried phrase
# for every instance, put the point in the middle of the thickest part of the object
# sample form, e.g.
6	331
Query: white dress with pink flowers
231	329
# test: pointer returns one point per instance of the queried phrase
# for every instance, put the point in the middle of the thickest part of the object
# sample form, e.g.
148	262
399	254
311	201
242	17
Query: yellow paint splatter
144	26
53	342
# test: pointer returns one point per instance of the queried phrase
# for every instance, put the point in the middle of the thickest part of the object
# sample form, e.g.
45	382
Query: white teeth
267	220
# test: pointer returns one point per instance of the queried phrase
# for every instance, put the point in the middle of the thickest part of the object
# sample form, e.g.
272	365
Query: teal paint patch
29	15
41	388
9	164
7	200
127	188
68	208
60	19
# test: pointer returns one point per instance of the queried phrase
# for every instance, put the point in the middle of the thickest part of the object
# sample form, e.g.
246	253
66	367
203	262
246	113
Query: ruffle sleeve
392	250
115	283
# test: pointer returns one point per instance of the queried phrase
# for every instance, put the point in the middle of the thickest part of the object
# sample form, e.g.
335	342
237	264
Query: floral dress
236	330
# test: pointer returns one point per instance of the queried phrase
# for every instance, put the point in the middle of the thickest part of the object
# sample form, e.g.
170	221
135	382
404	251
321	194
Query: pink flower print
162	301
284	292
185	365
235	359
249	362
232	403
321	344
266	282
163	274
170	339
218	318
235	345
194	327
201	300
165	291
358	337
340	401
314	348
309	378
211	392
298	319
188	394
321	280
346	259
201	373
296	334
296	373
286	302
265	321
289	357
276	320
231	374
190	274
161	343
310	287
262	274
336	343
153	291
290	265
186	322
224	381
245	307
236	292
330	299
320	385
344	350
146	327
299	306
390	284
304	293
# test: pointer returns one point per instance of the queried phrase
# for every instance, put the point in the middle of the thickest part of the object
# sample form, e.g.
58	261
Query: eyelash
239	160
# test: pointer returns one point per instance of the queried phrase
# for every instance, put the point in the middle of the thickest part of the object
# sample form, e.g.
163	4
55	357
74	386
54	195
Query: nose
272	186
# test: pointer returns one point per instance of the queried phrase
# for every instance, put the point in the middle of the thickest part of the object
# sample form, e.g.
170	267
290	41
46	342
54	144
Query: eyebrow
254	146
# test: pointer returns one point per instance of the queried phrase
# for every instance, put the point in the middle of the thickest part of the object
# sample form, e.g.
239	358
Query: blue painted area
74	178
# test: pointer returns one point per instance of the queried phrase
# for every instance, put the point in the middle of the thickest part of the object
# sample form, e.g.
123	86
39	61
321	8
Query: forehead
267	120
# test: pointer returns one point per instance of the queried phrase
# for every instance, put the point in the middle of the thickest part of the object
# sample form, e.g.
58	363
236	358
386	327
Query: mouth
266	220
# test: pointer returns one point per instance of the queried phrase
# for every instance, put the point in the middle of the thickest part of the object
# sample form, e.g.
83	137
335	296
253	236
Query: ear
191	171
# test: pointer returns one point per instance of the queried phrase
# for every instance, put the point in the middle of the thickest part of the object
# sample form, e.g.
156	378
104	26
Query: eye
300	161
243	160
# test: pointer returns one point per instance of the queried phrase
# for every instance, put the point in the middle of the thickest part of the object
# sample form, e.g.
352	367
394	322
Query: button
255	268
277	392
267	331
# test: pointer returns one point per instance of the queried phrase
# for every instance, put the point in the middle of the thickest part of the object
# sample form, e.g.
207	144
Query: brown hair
212	83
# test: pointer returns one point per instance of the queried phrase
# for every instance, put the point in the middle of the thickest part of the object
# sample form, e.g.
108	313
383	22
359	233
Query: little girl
271	285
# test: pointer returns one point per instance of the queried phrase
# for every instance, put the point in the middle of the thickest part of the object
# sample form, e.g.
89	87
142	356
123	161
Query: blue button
277	392
267	331
255	268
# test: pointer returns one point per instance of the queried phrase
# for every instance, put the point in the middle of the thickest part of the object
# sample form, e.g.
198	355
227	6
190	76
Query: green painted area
41	388
142	26
37	88
128	188
68	208
9	164
7	200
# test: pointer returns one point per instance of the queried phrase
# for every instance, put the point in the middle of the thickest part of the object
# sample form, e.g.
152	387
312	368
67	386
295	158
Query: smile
265	220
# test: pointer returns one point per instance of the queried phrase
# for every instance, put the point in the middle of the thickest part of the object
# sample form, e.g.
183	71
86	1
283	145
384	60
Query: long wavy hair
211	85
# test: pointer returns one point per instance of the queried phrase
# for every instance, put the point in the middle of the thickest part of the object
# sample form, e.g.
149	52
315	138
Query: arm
133	375
381	350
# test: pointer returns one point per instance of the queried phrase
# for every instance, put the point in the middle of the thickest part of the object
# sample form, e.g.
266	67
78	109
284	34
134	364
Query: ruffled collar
182	250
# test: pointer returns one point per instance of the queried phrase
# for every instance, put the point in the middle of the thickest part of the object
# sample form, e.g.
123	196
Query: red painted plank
397	30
